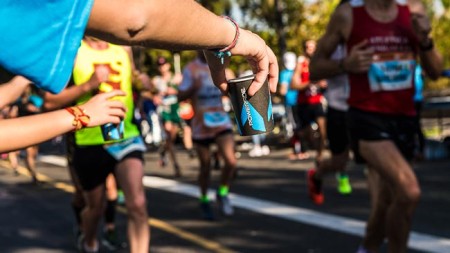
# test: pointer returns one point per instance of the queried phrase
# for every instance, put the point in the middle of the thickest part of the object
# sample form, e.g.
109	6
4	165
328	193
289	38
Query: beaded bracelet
222	53
81	119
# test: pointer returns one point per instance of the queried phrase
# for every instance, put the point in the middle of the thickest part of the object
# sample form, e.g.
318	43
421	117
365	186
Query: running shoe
314	187
343	186
82	248
224	204
207	212
111	241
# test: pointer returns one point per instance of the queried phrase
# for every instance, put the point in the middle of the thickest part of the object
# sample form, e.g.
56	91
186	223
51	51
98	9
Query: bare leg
203	154
394	170
225	144
381	198
111	198
14	160
31	161
129	174
92	213
171	132
323	135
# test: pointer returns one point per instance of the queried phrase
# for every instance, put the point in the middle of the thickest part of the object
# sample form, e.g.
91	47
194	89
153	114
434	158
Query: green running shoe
344	186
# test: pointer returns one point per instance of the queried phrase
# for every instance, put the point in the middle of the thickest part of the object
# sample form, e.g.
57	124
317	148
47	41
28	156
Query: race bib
391	72
120	149
215	119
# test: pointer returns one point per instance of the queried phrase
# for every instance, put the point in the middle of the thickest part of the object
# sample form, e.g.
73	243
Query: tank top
388	87
210	117
118	61
311	94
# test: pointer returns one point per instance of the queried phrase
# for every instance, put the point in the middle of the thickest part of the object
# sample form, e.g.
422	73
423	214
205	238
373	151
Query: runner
94	159
290	103
337	133
310	107
166	83
338	139
210	125
382	36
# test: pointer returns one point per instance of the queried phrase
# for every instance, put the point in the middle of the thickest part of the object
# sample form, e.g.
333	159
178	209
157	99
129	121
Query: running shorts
370	126
93	164
337	131
308	113
209	141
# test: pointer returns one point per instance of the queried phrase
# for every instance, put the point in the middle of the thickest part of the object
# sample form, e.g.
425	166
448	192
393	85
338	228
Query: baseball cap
289	60
161	61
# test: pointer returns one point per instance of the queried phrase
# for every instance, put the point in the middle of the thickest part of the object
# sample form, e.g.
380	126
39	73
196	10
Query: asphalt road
273	213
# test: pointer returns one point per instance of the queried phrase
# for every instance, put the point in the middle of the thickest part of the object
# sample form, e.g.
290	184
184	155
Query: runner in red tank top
309	101
384	38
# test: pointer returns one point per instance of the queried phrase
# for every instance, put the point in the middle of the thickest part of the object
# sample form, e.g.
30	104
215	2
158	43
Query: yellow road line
154	223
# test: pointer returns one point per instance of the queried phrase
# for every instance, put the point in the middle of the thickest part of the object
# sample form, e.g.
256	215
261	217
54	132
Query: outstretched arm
22	132
182	25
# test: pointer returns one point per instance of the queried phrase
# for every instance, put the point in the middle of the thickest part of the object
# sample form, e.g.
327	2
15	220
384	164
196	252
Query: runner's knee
136	205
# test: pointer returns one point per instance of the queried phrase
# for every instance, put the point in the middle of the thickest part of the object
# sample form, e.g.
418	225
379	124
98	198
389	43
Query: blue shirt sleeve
41	38
285	77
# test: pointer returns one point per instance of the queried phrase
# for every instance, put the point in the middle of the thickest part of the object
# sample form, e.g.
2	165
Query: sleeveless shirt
388	87
118	61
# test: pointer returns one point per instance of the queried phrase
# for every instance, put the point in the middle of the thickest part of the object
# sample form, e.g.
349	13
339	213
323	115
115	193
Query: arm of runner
430	58
321	65
12	89
30	130
297	83
72	93
182	25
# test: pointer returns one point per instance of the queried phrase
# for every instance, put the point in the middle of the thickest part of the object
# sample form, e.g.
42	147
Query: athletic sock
204	199
223	190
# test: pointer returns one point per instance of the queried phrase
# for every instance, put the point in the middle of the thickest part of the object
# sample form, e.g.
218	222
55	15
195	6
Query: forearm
325	68
11	90
22	132
169	24
66	97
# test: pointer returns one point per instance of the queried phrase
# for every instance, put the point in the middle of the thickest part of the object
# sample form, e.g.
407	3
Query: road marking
154	223
417	241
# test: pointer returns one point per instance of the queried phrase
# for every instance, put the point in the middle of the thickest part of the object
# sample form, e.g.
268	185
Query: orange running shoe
314	187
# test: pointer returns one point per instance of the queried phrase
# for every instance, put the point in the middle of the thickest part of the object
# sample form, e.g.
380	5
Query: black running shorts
93	164
337	131
370	126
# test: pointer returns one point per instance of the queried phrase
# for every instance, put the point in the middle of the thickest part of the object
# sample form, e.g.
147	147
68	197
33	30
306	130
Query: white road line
417	241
